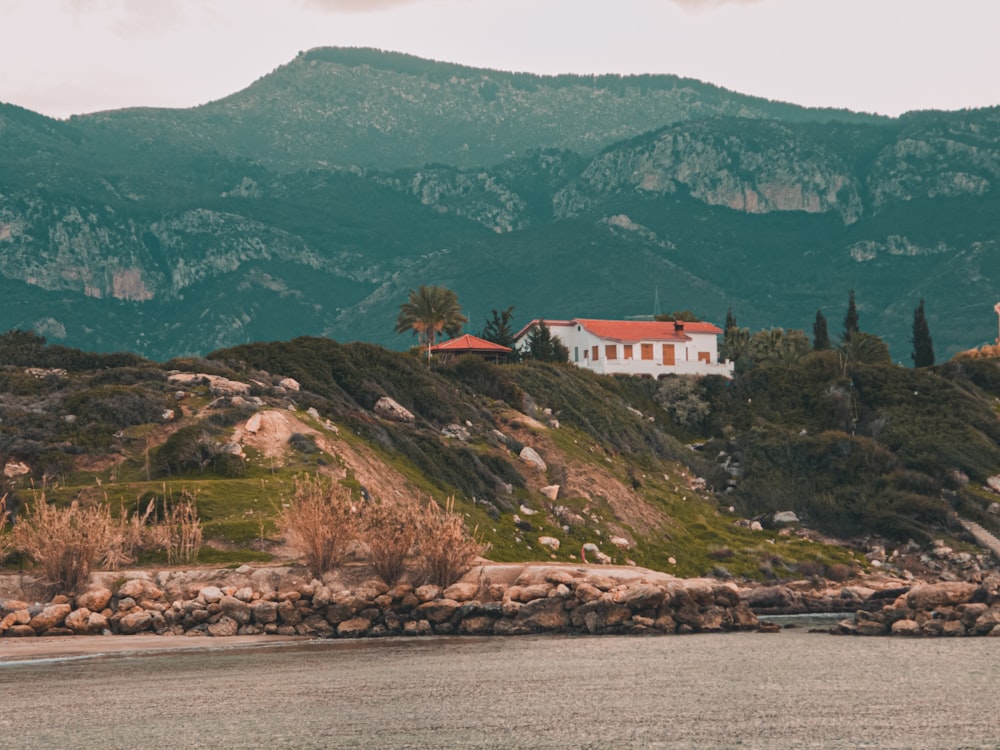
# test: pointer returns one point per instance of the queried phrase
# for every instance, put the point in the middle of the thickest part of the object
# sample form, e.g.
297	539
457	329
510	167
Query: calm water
789	690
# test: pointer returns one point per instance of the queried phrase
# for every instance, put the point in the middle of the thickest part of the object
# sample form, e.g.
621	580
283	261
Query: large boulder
95	599
136	622
530	456
544	615
947	593
50	617
388	408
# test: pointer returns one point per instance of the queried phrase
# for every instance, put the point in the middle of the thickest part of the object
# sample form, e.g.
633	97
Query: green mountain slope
170	232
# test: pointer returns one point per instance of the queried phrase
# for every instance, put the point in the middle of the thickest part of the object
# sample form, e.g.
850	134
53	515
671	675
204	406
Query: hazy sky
63	57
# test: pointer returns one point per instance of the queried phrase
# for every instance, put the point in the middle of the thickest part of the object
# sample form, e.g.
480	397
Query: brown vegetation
445	547
68	542
319	522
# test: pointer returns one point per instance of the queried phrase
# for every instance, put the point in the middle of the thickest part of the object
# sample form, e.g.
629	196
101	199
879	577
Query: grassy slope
621	475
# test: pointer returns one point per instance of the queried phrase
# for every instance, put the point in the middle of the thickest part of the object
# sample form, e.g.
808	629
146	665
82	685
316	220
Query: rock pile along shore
490	600
950	608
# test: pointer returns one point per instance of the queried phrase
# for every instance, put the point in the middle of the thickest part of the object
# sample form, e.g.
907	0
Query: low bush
319	521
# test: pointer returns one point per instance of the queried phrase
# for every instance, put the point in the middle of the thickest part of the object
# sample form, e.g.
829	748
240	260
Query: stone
462	591
139	588
437	611
932	595
237	610
135	622
50	617
427	592
477	625
544	615
264	612
530	456
387	408
226	627
640	596
95	599
871	627
785	517
906	627
79	621
620	542
11	605
986	623
98	623
551	491
290	383
549	541
211	594
20	631
14	469
456	432
953	628
353	628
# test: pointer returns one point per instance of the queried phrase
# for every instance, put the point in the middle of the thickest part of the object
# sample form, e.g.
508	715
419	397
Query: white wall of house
688	354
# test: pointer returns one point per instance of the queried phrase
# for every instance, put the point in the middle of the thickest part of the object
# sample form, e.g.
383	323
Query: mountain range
311	201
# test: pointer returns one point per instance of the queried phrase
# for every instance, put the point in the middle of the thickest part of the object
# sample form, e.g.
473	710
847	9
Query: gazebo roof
469	343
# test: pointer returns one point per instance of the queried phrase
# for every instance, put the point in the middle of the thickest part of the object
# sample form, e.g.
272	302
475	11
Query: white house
647	348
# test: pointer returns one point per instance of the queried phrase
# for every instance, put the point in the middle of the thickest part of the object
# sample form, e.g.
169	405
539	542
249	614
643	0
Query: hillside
309	203
667	475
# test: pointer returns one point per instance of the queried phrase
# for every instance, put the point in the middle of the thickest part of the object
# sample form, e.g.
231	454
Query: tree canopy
429	311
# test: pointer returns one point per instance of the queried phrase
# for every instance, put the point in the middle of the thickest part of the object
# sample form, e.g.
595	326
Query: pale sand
75	646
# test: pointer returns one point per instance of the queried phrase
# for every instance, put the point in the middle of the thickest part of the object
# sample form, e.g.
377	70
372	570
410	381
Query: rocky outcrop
492	599
388	408
948	608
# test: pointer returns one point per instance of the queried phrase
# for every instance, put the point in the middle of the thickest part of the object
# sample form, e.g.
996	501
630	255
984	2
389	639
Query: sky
64	57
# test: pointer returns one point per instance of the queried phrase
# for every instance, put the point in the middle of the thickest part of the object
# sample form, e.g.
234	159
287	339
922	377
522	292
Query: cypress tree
821	338
923	346
851	319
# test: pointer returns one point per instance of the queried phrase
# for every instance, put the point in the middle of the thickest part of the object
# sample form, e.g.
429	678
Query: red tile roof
629	330
469	343
645	330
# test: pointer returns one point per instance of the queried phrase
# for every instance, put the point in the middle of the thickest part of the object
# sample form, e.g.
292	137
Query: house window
647	351
576	354
611	351
595	352
705	357
628	351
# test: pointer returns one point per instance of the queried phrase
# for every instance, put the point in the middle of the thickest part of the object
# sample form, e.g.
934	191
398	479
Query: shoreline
67	648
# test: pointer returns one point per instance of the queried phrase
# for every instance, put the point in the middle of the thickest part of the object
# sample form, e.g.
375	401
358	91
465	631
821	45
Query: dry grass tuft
6	541
445	547
68	542
182	533
390	531
319	522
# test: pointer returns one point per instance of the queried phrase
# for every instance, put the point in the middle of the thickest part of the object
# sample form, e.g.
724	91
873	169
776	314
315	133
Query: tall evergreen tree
851	319
545	347
923	346
498	329
821	337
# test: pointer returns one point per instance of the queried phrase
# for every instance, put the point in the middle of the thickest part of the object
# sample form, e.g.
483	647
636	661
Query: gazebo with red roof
469	344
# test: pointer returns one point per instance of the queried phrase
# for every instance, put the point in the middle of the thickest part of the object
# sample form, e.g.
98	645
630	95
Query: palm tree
429	311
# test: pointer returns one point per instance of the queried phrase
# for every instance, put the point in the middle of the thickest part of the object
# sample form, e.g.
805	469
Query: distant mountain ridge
311	201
